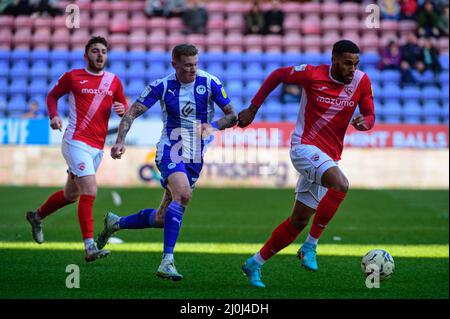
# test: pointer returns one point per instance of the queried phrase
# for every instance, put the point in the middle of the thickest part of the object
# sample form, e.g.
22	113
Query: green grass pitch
221	228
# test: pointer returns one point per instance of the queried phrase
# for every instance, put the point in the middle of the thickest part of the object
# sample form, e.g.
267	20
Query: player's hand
117	150
206	130
119	108
246	116
56	123
359	123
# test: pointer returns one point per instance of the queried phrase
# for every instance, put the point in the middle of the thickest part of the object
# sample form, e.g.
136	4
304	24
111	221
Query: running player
330	94
92	91
187	100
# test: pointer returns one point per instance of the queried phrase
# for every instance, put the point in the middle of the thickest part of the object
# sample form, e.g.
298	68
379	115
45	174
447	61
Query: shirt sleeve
152	93
300	75
62	87
218	94
366	105
119	96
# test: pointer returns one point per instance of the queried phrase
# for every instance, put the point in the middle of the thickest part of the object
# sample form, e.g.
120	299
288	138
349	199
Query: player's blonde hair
184	49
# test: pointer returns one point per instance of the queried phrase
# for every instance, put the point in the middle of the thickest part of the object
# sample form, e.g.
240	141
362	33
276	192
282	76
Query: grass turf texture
221	228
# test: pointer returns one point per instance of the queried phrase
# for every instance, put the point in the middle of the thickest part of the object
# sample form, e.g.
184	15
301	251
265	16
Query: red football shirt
326	106
90	100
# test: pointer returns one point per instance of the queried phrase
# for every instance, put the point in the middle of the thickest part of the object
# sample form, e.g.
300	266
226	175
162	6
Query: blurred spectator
254	19
391	57
389	9
30	7
443	21
165	8
430	56
274	18
195	17
290	93
408	9
428	20
32	112
411	58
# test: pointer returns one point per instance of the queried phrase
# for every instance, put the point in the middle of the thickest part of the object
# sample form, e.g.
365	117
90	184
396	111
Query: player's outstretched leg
92	253
337	186
172	225
36	226
252	269
145	218
110	226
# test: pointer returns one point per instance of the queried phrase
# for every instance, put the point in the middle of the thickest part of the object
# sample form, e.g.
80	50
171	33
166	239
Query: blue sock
143	219
172	226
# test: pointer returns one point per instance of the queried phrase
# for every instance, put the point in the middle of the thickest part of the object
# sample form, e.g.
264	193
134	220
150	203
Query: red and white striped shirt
326	106
90	100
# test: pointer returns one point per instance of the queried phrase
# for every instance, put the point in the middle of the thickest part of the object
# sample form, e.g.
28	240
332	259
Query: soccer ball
378	260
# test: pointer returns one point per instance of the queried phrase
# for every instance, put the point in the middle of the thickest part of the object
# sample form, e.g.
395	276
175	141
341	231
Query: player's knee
299	222
342	185
71	196
184	197
92	191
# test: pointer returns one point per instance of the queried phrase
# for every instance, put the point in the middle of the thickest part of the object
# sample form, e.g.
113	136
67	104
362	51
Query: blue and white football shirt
184	107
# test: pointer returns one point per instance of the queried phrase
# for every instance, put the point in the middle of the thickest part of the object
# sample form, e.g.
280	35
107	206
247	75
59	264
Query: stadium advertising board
146	132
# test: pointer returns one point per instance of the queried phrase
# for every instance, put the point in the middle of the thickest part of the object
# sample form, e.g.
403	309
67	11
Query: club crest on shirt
81	166
315	157
348	90
200	89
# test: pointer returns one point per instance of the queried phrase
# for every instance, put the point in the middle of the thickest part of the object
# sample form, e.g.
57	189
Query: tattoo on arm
230	118
133	112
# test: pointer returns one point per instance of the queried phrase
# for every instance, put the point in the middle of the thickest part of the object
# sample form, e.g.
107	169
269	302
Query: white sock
88	242
311	240
168	257
258	258
116	226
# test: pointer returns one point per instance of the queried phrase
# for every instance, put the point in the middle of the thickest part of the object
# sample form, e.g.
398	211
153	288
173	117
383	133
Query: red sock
52	204
85	215
325	211
281	237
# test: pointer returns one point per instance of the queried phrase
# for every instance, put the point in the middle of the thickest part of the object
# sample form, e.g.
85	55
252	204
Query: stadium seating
35	52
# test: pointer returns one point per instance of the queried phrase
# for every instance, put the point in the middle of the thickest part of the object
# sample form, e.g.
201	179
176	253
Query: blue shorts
167	167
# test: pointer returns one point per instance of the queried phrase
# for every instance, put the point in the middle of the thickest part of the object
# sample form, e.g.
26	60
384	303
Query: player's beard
96	66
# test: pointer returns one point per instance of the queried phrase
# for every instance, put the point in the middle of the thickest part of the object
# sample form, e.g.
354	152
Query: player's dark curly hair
345	46
95	40
184	49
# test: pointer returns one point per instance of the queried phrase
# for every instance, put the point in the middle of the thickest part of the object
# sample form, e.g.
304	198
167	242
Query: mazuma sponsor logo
97	91
334	101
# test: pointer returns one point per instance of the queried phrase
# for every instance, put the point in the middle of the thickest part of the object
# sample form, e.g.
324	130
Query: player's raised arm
133	112
366	120
288	75
61	88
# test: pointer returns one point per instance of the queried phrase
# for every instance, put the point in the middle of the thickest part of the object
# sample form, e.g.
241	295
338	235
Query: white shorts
82	159
311	163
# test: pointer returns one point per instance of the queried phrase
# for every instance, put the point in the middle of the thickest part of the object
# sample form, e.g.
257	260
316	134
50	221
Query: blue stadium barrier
390	76
18	86
234	89
78	56
254	57
137	70
311	58
273	58
430	93
59	55
37	87
39	55
253	72
20	55
292	59
374	74
443	59
4	69
412	113
58	69
4	55
19	70
39	69
410	93
369	59
3	86
136	56
391	91
234	57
